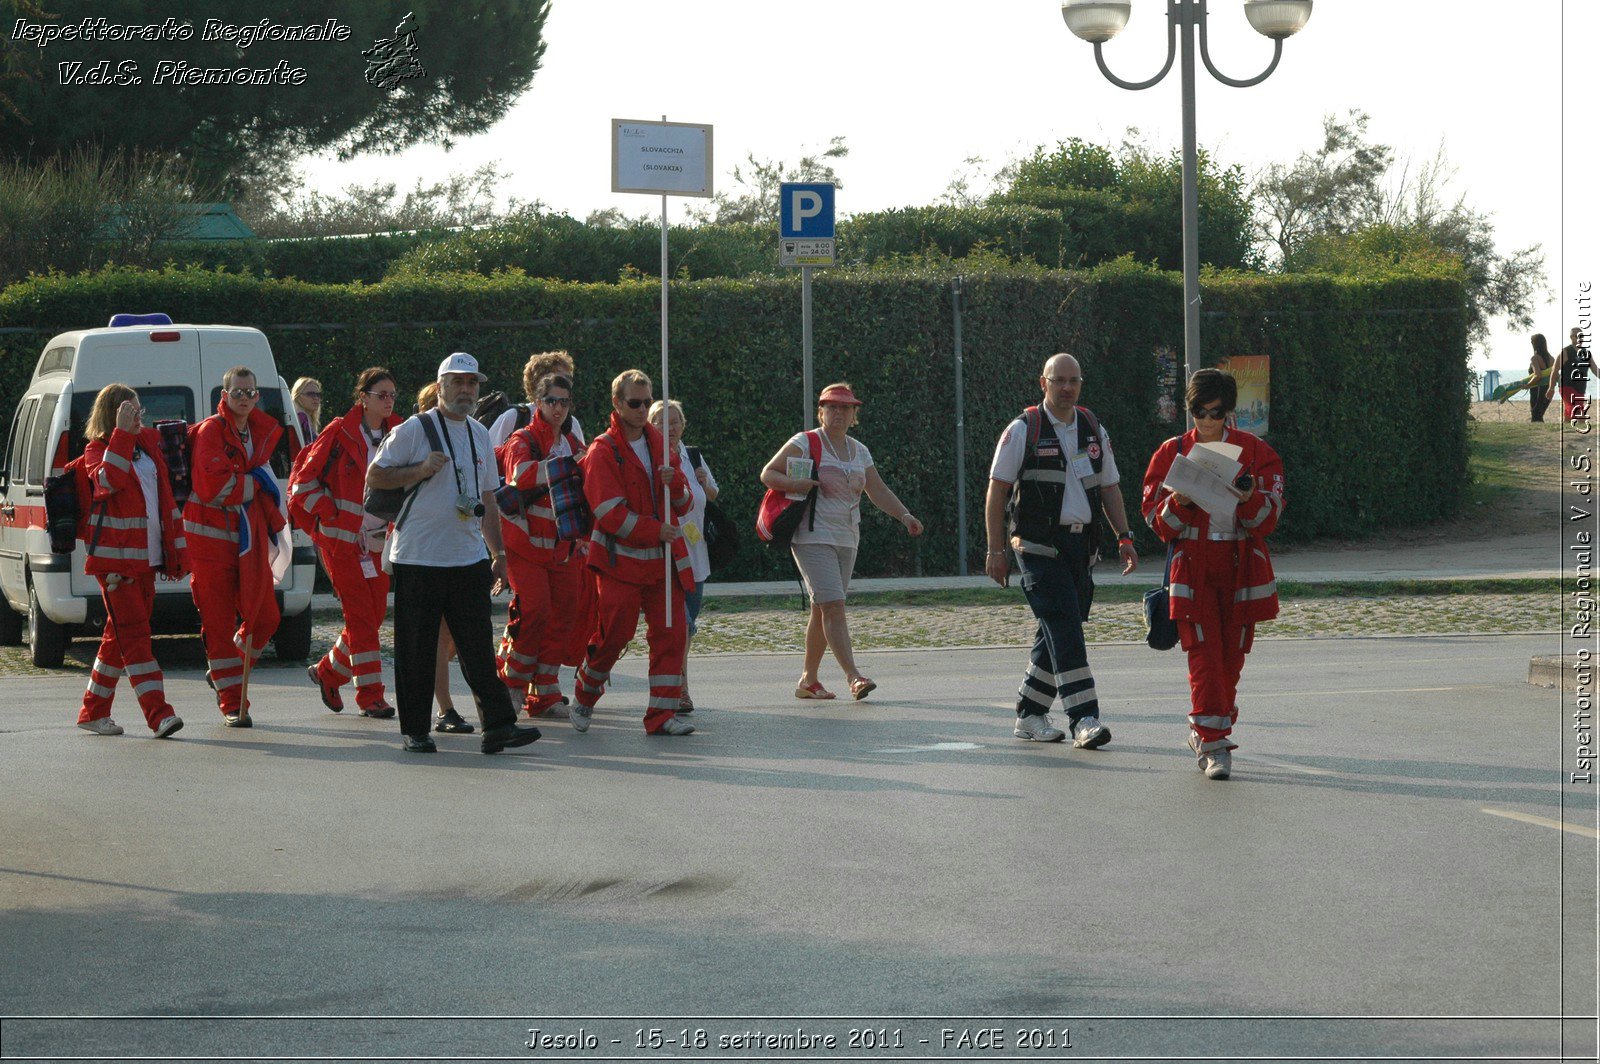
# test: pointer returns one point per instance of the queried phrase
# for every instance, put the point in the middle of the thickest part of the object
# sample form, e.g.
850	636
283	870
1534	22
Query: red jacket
524	463
223	491
625	498
1255	587
330	480
119	522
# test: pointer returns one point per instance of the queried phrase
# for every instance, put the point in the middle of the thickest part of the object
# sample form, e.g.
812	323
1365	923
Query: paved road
1390	846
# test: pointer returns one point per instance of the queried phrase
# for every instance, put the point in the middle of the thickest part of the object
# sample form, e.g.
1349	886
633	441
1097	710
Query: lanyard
444	430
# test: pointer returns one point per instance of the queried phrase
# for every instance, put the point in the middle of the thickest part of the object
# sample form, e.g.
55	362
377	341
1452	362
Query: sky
917	88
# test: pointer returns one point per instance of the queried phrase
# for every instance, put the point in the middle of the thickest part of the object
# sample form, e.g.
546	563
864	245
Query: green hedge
1369	397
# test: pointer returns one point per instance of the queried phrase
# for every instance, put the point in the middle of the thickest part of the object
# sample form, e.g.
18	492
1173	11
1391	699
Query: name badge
1082	467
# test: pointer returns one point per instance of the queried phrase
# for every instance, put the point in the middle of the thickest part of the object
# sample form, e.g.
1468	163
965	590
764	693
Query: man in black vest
1052	465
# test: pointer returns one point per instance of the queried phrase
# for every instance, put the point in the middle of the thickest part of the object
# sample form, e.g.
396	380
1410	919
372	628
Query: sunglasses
551	400
634	404
244	393
1201	413
311	395
385	397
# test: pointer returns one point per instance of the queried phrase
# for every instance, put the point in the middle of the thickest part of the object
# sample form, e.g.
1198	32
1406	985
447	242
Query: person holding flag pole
232	523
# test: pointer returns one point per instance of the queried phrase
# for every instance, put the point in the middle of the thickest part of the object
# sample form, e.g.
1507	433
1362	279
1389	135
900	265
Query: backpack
388	504
1087	425
721	532
493	405
66	506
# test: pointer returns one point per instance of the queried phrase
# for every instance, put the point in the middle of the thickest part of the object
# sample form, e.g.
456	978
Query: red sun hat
839	393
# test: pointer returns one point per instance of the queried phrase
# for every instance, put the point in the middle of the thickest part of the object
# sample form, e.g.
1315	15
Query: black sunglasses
634	404
1201	413
556	400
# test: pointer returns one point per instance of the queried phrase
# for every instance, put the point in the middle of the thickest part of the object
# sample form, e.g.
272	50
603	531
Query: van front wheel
293	639
47	640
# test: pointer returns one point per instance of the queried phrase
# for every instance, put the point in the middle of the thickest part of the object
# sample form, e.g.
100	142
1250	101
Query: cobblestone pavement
898	627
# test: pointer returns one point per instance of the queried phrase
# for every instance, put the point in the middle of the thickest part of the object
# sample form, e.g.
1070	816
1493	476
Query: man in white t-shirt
447	559
1054	464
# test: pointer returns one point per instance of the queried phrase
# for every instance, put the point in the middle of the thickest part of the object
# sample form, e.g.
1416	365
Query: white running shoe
581	715
1217	765
1089	734
676	726
103	726
1038	728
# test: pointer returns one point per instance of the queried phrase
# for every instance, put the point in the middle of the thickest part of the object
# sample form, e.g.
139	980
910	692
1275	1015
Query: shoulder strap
694	457
435	440
1034	422
524	415
1089	427
814	439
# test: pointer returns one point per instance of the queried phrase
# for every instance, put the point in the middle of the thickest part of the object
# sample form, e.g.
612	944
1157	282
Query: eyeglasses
1064	381
244	393
551	400
1201	413
634	404
382	397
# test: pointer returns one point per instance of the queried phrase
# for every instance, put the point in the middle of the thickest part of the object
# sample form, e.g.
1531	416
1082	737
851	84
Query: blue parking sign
805	210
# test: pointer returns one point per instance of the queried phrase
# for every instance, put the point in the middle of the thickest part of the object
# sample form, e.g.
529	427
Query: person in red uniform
325	494
624	473
544	571
134	532
230	519
1222	581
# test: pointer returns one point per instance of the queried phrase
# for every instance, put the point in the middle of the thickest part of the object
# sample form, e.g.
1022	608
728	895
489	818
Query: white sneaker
103	726
1217	765
676	726
168	726
1038	728
1089	734
581	715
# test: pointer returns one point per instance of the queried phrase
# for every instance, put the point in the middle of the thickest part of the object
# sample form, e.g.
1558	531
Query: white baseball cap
460	362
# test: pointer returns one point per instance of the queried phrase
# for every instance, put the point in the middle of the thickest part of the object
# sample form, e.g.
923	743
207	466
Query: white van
177	371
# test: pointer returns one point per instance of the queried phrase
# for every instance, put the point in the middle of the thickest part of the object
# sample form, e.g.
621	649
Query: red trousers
364	600
620	603
125	651
1216	643
215	587
544	612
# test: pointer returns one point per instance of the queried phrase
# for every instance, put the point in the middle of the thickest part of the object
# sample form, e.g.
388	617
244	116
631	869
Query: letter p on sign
807	204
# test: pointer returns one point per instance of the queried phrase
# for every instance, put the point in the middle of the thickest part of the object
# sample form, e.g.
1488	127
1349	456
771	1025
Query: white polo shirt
1013	448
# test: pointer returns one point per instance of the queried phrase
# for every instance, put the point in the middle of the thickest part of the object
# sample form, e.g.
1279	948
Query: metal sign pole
807	384
666	410
961	433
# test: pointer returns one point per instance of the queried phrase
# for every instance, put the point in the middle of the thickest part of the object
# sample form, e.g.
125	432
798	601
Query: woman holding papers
1214	494
825	549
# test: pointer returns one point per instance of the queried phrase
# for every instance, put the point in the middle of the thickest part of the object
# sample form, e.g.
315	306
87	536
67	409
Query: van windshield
160	404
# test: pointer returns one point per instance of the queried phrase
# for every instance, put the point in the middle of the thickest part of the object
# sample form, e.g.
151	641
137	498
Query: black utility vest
1036	497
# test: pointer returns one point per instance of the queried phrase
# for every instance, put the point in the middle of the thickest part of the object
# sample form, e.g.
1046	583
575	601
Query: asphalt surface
1386	874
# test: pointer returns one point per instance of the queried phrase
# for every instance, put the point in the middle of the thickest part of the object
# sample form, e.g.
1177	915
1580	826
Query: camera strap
444	430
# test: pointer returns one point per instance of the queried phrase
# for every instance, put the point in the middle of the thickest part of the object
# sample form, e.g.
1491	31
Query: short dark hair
1209	385
237	371
371	377
548	381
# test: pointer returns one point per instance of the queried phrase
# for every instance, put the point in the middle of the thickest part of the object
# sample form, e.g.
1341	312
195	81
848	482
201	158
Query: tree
1149	185
462	200
1346	209
754	200
473	59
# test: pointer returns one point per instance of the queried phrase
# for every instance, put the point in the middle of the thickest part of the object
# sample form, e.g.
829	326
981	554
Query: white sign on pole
666	158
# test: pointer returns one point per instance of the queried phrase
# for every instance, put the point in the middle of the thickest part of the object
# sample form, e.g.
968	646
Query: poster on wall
1254	375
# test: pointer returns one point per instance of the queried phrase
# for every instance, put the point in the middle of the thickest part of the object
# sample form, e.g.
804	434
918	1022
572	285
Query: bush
1394	455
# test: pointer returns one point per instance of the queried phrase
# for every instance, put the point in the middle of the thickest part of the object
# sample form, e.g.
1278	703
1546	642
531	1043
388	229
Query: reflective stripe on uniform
629	523
648	554
1180	591
607	506
227	489
210	533
338	533
1047	476
1215	723
117	460
1253	594
100	550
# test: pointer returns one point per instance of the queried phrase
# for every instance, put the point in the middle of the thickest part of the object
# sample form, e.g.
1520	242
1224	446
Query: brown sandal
861	687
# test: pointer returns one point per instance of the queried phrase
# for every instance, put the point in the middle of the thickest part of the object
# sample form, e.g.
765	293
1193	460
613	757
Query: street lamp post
1097	21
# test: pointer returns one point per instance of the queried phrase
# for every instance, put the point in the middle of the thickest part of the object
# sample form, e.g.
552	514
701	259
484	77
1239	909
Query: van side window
41	445
17	445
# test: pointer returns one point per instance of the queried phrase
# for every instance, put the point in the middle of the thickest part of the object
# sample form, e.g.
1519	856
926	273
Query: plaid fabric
573	519
175	451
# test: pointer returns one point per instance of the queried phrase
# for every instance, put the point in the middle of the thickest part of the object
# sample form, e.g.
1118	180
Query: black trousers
424	594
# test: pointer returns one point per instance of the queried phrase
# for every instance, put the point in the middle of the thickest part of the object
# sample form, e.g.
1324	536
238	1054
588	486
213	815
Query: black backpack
722	534
493	405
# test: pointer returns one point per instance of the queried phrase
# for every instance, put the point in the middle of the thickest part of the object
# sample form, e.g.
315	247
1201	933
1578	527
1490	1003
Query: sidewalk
1490	559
